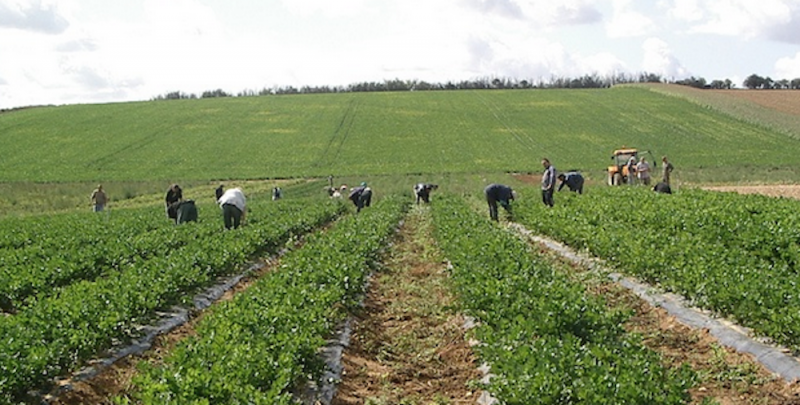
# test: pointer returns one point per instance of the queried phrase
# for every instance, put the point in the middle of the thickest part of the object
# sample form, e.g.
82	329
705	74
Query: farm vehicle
618	171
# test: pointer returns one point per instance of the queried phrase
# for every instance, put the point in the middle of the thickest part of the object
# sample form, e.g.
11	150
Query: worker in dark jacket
662	187
498	193
186	212
423	191
172	199
573	180
361	196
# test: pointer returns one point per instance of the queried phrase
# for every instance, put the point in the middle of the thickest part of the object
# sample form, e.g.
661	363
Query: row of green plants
737	255
257	348
46	252
547	341
54	333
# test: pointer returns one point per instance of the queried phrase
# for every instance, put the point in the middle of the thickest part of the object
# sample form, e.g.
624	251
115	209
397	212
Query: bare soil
407	347
787	101
780	190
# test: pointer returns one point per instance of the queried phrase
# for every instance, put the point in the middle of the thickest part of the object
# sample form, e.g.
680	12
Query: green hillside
377	134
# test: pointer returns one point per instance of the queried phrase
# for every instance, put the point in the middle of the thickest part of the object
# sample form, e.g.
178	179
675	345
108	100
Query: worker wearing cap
361	196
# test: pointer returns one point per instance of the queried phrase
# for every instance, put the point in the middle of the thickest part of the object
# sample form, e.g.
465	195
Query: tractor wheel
617	179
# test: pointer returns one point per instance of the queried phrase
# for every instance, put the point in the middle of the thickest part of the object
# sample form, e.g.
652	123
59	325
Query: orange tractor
618	171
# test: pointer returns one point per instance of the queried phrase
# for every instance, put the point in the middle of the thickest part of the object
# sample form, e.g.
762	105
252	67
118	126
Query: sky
101	51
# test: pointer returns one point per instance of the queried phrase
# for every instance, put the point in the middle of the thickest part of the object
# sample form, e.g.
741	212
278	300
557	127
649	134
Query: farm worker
361	196
234	207
277	193
573	180
99	198
548	182
499	193
666	168
643	172
662	187
173	197
423	191
186	212
631	170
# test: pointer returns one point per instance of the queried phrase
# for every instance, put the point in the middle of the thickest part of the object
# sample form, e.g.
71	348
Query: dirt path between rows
408	347
777	190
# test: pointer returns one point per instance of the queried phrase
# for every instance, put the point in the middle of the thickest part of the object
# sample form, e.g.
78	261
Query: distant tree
728	84
650	78
754	81
795	84
214	93
697	82
720	84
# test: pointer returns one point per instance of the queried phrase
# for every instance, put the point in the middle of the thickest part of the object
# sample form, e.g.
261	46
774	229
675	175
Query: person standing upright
99	199
666	169
631	166
172	199
548	182
643	172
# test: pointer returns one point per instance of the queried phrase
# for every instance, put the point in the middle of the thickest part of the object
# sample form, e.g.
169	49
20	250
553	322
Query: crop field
375	134
433	292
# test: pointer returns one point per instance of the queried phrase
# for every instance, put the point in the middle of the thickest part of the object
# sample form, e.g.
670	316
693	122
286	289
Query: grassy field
139	148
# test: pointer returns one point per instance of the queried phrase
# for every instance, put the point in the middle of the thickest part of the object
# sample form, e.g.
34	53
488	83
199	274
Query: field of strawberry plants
737	255
256	348
58	321
545	339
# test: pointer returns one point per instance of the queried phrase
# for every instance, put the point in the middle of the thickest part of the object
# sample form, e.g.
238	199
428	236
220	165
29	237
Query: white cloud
686	10
777	20
539	13
627	22
503	8
659	59
338	8
788	68
575	13
35	15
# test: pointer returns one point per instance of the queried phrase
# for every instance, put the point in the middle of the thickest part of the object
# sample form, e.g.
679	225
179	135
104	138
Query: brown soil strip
116	379
407	345
781	100
725	375
777	190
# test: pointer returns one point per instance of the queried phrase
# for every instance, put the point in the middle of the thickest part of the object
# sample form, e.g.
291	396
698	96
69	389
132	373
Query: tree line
753	81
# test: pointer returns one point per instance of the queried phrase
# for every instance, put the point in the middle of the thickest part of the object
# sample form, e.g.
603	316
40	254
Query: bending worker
423	191
573	180
234	208
361	196
499	193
